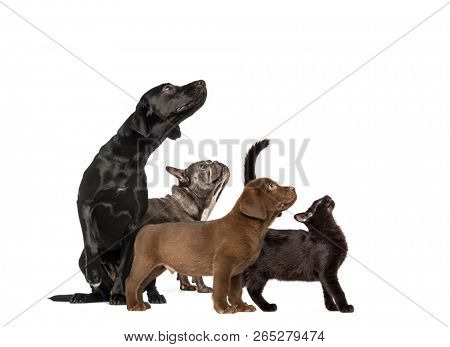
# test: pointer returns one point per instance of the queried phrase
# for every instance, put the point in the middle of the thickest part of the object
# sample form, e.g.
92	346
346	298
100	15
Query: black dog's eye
167	89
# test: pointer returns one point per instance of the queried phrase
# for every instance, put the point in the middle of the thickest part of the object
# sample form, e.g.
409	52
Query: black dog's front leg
153	295
331	284
93	270
118	291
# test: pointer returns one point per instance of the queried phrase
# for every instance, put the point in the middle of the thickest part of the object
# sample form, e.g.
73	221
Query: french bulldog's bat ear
140	121
180	174
251	204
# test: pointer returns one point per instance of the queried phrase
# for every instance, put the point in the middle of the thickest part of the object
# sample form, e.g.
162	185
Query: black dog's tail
61	298
250	160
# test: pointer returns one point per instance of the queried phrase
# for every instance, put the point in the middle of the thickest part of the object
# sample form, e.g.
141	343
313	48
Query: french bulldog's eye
271	186
167	88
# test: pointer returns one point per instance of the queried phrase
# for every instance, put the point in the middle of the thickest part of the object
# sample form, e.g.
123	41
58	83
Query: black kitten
298	255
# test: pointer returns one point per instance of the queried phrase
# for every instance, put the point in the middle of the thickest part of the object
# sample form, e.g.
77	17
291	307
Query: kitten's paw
331	306
269	308
346	309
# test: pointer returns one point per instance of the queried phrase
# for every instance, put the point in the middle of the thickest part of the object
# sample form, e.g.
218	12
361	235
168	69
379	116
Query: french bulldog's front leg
201	286
185	284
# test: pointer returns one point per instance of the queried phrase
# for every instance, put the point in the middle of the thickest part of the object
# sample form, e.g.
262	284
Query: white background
378	145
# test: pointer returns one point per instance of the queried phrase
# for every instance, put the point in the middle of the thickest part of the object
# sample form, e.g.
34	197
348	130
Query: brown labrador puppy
223	248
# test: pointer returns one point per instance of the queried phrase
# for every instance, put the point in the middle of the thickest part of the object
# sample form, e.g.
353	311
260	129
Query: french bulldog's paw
346	309
245	308
156	298
269	308
226	309
188	287
117	299
139	307
204	289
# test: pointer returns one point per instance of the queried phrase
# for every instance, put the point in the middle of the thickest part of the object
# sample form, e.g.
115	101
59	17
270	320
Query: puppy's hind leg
235	295
255	287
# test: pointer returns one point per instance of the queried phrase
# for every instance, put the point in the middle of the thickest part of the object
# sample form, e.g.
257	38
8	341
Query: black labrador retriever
113	197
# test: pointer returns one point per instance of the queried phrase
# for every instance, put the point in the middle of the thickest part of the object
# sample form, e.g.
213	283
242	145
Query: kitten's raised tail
250	160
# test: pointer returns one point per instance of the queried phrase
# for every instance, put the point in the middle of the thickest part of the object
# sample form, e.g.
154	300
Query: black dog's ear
251	204
180	174
139	120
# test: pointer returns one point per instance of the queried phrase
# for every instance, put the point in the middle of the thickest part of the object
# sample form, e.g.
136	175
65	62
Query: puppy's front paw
346	309
226	309
139	307
245	308
269	308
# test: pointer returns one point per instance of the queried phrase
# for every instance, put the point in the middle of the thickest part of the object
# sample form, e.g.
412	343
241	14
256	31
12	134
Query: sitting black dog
298	255
113	197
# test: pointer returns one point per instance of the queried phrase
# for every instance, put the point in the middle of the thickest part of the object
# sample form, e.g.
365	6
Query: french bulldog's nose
200	83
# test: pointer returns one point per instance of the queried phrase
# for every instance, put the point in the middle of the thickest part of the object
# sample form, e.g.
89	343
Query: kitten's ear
140	121
180	174
251	205
303	217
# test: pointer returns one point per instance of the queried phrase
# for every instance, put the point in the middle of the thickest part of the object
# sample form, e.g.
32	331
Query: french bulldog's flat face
205	179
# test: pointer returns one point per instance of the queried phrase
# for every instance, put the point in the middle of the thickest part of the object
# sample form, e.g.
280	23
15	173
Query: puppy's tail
250	160
61	298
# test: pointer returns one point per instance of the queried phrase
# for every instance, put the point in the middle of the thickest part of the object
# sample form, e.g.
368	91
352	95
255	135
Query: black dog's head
204	179
320	212
164	107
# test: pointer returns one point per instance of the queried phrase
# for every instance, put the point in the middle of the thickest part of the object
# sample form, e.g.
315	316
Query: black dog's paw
331	306
269	308
117	299
80	298
346	309
94	275
156	298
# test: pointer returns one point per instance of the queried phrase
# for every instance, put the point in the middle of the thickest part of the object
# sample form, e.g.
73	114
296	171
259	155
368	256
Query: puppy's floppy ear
180	174
139	120
251	204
